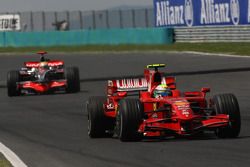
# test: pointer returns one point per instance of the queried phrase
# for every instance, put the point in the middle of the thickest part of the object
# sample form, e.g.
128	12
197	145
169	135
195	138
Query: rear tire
13	77
128	119
73	80
228	104
98	123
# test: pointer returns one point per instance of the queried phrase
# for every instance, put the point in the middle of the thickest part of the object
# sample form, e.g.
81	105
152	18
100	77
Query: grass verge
226	48
4	162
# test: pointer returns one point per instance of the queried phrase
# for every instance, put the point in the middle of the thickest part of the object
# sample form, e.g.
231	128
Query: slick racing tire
228	104
13	77
73	80
98	123
128	119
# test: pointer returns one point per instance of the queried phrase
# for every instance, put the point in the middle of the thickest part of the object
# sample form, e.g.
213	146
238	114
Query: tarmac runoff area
51	130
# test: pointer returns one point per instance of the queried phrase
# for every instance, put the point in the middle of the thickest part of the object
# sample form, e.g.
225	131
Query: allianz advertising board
173	13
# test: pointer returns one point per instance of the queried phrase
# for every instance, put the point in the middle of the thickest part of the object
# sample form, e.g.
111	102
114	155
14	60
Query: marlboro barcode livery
160	110
45	76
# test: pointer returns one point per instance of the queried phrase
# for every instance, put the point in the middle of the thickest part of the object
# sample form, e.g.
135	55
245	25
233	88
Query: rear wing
53	63
136	84
128	85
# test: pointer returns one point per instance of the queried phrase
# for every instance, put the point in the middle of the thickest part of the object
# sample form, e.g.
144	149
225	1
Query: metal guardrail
213	34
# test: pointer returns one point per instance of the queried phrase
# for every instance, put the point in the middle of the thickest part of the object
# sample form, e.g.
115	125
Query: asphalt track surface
51	130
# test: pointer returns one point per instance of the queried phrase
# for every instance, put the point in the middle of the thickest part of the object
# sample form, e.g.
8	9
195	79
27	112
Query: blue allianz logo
168	14
248	12
212	12
189	14
235	11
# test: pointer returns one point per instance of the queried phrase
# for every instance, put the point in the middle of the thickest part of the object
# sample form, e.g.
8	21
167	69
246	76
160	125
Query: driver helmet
161	90
44	65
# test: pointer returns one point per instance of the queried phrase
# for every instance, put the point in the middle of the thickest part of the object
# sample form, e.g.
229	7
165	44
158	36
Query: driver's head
162	90
44	65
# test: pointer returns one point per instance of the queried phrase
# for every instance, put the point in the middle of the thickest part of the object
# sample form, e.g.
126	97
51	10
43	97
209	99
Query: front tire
228	104
128	119
13	77
73	80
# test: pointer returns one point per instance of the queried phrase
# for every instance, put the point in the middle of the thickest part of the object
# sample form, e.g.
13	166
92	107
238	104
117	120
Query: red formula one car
44	76
160	110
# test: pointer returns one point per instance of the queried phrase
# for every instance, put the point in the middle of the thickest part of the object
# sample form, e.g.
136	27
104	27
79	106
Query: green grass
227	48
4	162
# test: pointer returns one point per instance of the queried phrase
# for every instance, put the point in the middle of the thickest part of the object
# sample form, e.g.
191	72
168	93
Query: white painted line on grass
11	156
215	54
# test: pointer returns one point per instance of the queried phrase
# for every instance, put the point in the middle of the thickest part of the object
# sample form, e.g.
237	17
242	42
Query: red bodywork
182	113
39	87
42	87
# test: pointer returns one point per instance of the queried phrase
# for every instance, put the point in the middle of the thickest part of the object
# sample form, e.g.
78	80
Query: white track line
215	54
11	156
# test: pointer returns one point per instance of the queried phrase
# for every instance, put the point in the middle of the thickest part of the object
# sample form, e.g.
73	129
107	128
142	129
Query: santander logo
59	63
32	65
